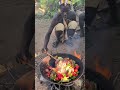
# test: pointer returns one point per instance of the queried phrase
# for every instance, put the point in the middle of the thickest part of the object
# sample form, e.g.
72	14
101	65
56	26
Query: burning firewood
77	55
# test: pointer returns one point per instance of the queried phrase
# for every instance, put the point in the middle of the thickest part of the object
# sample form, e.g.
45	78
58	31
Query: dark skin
53	24
58	18
29	30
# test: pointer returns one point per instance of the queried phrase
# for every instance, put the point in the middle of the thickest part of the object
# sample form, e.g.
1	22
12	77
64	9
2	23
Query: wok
43	66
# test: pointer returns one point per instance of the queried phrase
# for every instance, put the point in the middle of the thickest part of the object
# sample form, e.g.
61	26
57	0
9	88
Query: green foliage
81	2
52	6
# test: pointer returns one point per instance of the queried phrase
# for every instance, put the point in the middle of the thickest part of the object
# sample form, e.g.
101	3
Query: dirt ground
41	27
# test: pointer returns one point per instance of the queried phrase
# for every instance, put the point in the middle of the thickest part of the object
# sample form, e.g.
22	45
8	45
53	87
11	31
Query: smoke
76	44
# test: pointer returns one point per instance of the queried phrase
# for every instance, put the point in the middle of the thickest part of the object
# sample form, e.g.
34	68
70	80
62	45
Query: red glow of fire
77	55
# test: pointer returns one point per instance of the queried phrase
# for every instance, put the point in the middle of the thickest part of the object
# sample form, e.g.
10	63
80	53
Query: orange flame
103	70
77	55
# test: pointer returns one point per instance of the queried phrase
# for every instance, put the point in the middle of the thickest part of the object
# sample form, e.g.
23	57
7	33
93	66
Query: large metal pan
43	66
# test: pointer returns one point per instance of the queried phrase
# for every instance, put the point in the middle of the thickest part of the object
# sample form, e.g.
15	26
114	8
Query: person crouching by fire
64	23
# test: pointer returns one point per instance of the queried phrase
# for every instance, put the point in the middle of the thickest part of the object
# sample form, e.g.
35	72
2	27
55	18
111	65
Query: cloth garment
60	27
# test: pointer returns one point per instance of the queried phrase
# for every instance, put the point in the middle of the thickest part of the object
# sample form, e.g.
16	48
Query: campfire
77	55
104	71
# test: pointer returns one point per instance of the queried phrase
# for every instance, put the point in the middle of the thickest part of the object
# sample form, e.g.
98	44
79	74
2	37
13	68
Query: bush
52	6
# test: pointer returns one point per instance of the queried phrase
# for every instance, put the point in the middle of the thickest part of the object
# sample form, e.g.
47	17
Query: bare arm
47	37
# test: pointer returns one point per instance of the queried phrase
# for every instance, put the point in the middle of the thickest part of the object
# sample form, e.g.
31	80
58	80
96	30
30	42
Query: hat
64	2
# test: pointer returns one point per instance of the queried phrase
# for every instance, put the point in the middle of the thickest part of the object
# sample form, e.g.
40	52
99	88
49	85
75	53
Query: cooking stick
51	56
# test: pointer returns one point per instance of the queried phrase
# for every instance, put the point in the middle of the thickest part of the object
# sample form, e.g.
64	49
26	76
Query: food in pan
66	70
